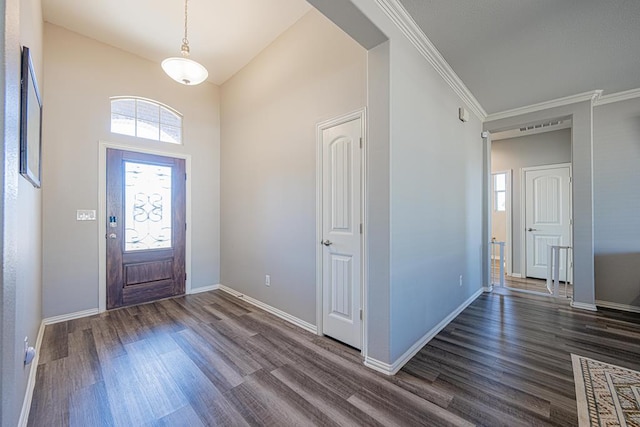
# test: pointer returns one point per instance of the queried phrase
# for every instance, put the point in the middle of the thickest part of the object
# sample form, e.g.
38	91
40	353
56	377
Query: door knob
327	242
532	229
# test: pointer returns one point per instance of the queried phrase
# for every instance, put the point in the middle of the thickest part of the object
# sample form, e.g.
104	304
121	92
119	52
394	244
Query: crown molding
559	102
617	97
401	18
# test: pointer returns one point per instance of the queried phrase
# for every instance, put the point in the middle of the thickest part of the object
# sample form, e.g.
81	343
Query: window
500	192
145	118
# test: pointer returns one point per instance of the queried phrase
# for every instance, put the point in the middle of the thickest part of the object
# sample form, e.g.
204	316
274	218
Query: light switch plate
85	215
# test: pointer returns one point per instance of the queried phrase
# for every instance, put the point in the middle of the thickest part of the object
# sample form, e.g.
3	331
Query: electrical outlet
267	280
461	280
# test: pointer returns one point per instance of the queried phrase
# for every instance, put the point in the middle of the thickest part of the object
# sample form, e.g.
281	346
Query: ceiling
508	53
224	35
517	53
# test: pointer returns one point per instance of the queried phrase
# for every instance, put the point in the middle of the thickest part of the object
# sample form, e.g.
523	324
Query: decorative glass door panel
147	218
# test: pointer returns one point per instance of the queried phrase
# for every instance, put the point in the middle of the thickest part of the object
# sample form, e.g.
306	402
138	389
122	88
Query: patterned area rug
607	395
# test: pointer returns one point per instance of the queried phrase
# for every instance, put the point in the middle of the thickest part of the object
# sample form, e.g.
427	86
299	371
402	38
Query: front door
547	216
341	228
146	206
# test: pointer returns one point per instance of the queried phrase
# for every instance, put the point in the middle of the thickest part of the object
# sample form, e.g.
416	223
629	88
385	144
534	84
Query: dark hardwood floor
212	359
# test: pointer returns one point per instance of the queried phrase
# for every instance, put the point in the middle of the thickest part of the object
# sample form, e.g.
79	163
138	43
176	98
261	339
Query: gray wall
616	158
517	153
269	111
21	291
436	199
435	195
82	74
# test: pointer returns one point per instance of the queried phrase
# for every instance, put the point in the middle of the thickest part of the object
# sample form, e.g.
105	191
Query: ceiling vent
541	125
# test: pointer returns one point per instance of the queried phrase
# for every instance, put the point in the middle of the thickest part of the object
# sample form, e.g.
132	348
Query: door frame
320	127
102	212
508	213
523	206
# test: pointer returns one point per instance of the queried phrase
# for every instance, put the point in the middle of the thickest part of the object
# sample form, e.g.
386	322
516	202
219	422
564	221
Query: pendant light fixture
182	69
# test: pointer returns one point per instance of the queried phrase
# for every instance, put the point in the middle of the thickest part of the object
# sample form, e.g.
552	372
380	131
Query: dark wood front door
146	204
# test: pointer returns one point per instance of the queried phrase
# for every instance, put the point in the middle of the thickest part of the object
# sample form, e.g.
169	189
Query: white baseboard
204	289
70	316
376	365
516	275
276	312
616	306
31	382
392	369
487	288
584	306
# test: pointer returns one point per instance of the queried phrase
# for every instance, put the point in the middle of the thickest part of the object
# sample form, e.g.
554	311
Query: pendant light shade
182	69
185	71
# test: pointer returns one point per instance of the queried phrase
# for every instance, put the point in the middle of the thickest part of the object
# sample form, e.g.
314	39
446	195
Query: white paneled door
341	223
547	216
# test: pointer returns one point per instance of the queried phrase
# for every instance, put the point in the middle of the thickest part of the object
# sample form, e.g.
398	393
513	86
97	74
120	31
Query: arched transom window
145	118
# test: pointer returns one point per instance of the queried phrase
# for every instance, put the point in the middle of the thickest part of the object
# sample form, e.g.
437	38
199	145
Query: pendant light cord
185	40
185	21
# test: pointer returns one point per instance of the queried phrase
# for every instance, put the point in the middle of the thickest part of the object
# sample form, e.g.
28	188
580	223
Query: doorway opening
531	215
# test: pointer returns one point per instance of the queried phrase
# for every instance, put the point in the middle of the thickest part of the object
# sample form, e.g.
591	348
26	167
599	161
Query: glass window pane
500	182
148	111
148	130
124	107
501	201
123	124
145	119
147	206
170	134
170	118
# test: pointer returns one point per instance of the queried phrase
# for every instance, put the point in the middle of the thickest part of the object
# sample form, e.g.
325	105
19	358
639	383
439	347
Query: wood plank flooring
527	283
213	359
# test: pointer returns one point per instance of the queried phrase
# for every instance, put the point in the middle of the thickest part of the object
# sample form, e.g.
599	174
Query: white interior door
547	216
341	219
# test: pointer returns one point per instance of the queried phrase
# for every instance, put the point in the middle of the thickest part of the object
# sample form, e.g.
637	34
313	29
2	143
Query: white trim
269	309
516	275
376	365
31	383
201	289
487	288
70	316
360	114
403	20
559	102
616	306
617	97
102	209
392	369
584	306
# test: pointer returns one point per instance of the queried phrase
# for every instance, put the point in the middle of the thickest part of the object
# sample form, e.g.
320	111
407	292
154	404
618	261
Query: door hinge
360	228
360	142
185	277
185	176
185	225
570	179
360	314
